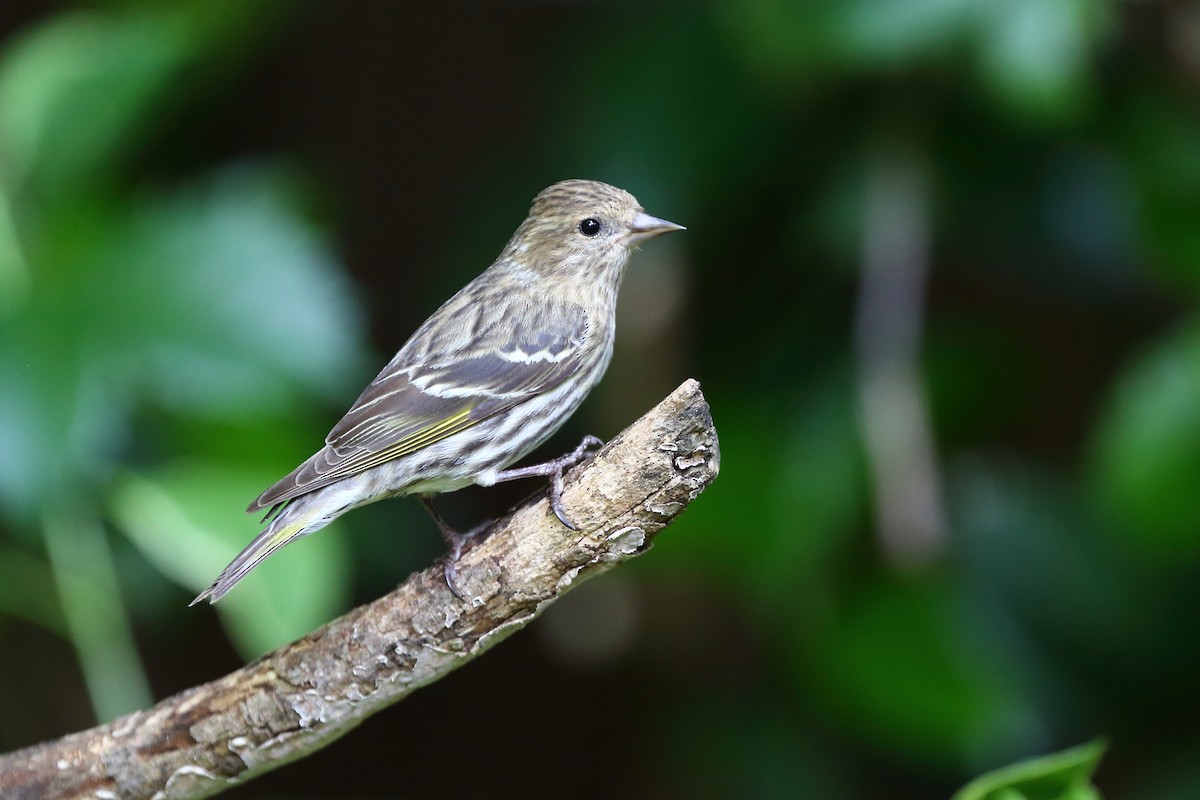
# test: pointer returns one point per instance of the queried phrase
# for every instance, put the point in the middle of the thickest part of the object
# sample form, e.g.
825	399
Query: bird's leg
555	469
455	540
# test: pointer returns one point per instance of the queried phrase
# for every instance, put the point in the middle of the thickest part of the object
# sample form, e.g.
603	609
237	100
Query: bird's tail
289	525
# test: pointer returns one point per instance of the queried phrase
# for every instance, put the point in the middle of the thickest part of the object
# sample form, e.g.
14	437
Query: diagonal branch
312	691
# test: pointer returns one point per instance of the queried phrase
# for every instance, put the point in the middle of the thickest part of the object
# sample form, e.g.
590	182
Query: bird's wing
431	391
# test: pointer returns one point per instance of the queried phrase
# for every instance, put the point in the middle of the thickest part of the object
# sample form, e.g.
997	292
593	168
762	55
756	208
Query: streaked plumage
487	378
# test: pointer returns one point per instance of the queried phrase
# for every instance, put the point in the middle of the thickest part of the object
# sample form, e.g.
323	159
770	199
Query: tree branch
308	693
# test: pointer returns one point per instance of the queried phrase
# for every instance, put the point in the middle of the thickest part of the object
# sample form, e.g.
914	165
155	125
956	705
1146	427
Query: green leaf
56	415
94	609
1146	463
1058	776
83	88
221	298
1036	54
187	519
76	86
218	301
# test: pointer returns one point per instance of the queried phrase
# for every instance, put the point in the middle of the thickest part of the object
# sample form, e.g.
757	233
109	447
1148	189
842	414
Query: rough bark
308	693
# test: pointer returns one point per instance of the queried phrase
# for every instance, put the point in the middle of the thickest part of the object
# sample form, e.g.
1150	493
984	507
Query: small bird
485	380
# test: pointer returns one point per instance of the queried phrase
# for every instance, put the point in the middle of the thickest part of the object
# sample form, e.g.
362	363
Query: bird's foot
555	469
581	453
456	541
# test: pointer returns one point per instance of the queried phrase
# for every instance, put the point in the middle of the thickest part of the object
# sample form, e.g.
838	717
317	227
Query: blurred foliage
210	303
1059	776
175	333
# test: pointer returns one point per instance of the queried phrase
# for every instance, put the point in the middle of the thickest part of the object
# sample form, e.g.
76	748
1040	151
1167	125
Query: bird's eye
589	226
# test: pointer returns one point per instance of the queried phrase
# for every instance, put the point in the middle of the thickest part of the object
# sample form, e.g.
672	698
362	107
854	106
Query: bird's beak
645	227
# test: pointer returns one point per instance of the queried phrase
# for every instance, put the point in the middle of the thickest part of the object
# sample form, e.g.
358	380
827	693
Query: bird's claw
456	542
581	453
560	512
450	573
584	448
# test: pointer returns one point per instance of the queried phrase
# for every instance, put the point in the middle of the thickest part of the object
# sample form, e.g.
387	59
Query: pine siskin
485	380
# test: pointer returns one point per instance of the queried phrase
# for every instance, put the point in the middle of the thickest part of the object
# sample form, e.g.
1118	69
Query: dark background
938	284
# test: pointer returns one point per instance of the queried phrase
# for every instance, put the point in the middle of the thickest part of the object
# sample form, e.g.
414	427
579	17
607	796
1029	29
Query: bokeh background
939	284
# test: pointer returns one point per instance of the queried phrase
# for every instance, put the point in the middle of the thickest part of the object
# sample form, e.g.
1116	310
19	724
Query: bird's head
583	226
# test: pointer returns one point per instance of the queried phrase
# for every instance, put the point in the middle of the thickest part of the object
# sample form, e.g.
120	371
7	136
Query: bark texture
305	694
